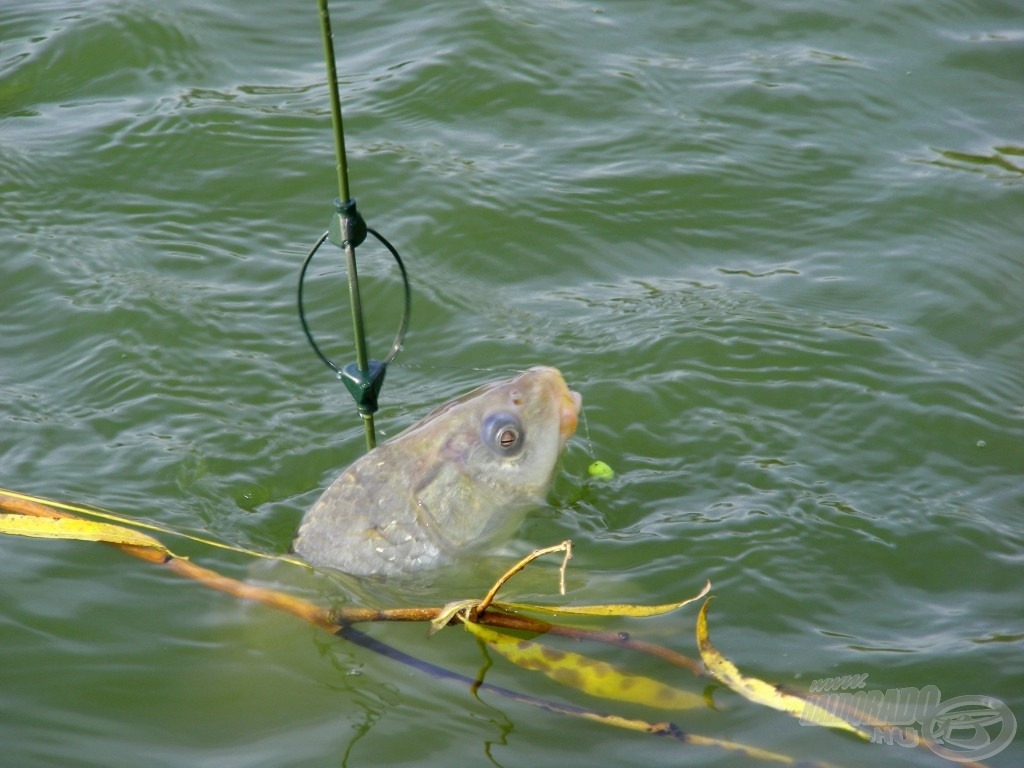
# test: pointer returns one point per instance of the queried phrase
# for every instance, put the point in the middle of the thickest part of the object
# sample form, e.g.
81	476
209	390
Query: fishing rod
347	230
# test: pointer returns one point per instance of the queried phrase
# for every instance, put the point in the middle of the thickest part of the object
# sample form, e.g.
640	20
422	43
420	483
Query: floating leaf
596	678
77	509
759	691
611	609
74	528
91	512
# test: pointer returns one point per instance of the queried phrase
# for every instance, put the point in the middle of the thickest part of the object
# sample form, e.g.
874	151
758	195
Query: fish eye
503	433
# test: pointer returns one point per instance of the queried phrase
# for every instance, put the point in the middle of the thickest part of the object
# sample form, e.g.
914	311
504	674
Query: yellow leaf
92	512
593	677
759	691
73	528
611	609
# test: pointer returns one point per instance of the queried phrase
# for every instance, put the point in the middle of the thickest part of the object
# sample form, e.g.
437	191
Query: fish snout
569	413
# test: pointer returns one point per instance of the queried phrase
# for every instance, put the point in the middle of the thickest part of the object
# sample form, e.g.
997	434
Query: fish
465	475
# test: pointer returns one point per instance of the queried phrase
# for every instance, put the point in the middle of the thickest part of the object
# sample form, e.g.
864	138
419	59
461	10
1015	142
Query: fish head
496	453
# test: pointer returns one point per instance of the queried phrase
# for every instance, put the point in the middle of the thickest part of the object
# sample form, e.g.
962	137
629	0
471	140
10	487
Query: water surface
776	247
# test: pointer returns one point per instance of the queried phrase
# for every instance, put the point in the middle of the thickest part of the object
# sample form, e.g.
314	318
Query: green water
776	246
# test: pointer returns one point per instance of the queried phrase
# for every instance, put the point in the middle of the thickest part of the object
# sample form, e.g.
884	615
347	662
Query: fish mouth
569	410
567	402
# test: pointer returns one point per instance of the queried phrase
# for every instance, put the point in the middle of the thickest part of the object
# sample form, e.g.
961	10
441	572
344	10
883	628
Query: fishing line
586	432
